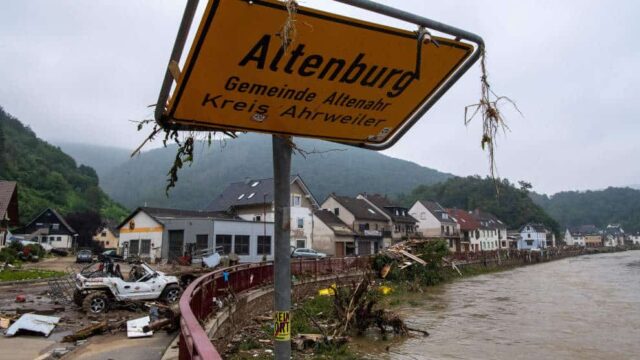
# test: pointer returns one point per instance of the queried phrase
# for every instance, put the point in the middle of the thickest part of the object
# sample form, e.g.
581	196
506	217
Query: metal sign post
282	256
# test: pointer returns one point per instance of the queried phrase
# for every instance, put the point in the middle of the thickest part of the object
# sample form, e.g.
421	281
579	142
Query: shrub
8	255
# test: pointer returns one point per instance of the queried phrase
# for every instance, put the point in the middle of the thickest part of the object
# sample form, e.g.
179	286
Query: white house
533	236
574	237
401	224
635	238
49	228
433	220
614	235
493	232
252	200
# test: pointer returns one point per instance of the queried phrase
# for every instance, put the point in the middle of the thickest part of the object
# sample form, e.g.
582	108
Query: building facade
252	200
401	224
49	228
108	237
370	226
331	235
533	237
9	214
155	234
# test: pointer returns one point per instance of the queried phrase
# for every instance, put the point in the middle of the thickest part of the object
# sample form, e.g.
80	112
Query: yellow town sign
340	79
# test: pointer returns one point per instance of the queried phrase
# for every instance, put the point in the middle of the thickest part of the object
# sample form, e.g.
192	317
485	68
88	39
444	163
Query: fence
197	305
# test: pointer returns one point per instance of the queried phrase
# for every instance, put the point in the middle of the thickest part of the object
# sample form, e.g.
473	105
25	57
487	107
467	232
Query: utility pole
282	257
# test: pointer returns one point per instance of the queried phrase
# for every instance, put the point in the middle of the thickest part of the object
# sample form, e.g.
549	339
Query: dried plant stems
492	118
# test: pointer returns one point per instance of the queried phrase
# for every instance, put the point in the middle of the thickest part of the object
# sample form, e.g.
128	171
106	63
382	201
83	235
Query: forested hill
599	207
329	168
47	177
511	205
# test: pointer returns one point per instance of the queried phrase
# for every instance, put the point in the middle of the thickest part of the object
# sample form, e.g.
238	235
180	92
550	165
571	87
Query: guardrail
196	303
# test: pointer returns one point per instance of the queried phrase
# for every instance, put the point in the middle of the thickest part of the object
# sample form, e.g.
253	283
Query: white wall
428	225
145	228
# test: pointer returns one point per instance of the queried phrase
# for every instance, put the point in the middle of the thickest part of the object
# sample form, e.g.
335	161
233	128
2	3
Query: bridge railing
197	302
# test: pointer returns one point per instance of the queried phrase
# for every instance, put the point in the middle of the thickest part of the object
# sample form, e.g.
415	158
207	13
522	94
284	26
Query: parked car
111	255
84	256
307	253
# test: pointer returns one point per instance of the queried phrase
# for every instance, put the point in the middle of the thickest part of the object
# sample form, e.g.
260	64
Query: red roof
467	221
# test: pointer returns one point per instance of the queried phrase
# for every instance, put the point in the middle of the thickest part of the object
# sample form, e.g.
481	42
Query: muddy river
579	308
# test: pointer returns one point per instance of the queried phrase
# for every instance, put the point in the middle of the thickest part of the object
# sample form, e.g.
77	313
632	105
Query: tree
86	224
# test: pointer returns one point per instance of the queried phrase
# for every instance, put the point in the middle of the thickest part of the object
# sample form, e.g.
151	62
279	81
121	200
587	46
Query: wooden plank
413	257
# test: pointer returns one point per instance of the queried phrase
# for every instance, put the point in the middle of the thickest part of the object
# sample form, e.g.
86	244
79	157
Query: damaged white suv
96	290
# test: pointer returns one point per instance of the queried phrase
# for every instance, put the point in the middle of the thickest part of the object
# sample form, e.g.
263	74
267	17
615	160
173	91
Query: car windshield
84	252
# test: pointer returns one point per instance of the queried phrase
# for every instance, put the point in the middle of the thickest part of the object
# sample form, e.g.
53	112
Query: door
134	247
176	243
364	247
340	249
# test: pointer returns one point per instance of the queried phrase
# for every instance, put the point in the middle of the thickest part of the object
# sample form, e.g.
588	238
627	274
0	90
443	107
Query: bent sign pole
337	80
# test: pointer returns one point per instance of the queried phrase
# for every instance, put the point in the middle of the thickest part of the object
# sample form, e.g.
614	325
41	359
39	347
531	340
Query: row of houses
240	220
591	236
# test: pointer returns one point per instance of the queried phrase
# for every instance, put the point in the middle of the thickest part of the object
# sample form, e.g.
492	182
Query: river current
584	307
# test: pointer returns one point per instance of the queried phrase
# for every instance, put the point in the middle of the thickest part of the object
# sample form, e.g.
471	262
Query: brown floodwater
585	307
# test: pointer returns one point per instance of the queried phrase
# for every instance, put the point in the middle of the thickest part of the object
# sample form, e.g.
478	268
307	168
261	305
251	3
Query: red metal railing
197	305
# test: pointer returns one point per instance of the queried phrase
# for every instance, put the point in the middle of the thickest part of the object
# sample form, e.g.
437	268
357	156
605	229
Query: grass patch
14	275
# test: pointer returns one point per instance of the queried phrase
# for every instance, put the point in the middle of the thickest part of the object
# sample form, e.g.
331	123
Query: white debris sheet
212	260
134	327
36	323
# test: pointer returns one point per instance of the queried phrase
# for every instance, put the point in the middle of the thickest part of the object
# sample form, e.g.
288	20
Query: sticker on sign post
281	326
340	78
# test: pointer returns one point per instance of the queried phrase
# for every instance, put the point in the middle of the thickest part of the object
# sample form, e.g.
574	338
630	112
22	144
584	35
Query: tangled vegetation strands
492	118
288	32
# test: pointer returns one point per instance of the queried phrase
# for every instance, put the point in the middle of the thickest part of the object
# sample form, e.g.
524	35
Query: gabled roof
584	230
7	193
162	214
397	213
437	211
537	227
487	220
57	215
252	192
333	222
360	209
466	221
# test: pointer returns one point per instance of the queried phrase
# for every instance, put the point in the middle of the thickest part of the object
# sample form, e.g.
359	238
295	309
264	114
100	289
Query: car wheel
96	303
171	294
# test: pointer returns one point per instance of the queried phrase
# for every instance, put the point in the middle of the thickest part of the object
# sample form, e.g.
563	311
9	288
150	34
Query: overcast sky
80	70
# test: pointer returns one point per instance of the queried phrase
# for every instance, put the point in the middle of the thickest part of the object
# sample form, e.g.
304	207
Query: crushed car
98	289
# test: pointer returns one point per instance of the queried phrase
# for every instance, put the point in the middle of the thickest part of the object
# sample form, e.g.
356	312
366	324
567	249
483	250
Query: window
336	211
107	243
240	197
145	247
104	234
529	236
423	216
297	199
300	223
529	242
301	243
134	247
225	242
264	245
371	211
202	241
59	238
251	195
55	226
257	218
241	246
255	183
51	238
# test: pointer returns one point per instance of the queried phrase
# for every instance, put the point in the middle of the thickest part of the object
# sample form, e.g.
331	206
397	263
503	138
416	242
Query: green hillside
46	176
599	207
332	168
513	205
